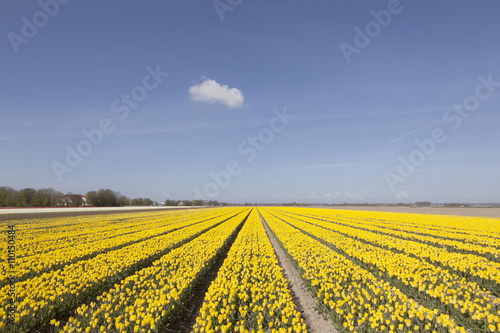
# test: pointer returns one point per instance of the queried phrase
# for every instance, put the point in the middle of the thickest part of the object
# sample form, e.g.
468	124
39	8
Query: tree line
48	197
29	197
196	202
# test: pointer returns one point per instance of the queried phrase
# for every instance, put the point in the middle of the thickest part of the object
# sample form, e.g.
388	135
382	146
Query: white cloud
211	91
401	195
363	195
334	195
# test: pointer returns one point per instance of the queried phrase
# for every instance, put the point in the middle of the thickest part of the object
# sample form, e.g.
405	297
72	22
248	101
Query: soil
302	297
462	211
23	216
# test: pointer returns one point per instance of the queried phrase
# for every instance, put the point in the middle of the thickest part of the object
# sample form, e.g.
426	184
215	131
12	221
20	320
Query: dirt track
44	210
465	211
302	297
14	214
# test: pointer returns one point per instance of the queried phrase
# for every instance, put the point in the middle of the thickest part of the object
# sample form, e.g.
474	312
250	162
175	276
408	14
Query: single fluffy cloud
212	92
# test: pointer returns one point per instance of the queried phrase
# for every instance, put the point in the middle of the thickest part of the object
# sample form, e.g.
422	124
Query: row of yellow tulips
355	299
70	250
481	230
453	291
147	300
250	293
467	264
469	242
57	234
41	297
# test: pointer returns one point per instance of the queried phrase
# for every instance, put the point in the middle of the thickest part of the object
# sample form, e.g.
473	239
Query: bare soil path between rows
302	297
20	214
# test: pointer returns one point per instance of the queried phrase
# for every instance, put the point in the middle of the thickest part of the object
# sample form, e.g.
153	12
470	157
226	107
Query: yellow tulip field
139	272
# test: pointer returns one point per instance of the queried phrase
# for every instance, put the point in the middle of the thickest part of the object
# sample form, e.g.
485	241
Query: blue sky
353	116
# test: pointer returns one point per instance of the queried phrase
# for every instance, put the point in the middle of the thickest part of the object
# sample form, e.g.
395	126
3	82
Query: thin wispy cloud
166	130
336	116
308	164
421	129
404	136
11	142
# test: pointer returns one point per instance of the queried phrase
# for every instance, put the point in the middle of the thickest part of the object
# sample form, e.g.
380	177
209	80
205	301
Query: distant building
423	203
66	202
74	200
